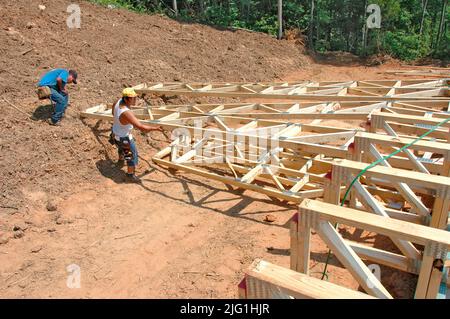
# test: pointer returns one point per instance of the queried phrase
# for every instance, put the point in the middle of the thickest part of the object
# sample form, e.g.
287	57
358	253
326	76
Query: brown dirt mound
115	47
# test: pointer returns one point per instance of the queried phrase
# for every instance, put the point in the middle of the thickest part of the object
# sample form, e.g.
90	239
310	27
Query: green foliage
405	46
337	25
141	6
267	24
117	4
295	15
443	49
221	15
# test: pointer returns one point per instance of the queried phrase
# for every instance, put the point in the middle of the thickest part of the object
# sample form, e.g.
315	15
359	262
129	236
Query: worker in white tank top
124	122
118	128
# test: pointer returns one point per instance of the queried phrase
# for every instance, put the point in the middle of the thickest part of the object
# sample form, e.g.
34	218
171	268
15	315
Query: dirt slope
117	47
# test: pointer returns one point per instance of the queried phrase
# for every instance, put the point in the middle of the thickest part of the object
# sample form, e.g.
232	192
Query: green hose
324	273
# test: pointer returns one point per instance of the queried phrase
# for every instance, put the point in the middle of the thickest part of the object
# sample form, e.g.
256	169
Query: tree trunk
433	22
280	19
202	7
424	10
364	30
175	7
317	21
311	27
441	23
330	26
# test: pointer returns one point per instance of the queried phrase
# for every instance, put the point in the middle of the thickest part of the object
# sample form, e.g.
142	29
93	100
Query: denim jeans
132	146
61	100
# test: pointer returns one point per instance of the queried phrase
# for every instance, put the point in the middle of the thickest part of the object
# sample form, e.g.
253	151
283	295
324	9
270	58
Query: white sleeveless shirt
118	128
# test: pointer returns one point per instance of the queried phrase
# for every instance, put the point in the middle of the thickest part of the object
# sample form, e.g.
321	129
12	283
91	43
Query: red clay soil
62	199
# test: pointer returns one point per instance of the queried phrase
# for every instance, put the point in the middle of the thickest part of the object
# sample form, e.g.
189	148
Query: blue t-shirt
49	79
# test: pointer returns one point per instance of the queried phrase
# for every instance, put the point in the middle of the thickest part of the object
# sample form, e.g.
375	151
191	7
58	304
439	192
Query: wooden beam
405	246
265	280
403	188
269	191
396	174
383	257
350	260
301	242
417	234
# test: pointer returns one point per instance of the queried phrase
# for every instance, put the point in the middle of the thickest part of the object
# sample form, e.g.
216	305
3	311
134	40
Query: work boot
131	178
50	121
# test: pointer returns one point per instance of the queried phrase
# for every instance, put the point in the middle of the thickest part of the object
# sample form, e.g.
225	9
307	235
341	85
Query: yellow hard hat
129	92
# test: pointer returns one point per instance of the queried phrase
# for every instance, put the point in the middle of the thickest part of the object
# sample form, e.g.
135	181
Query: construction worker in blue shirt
57	80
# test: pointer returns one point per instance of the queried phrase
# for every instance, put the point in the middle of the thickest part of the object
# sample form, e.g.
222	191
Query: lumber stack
308	152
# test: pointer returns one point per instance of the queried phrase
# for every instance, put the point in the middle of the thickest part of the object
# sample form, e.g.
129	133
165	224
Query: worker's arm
130	118
61	86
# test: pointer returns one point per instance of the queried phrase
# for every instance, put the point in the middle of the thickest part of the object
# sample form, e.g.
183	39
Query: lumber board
424	277
436	243
292	197
271	278
417	234
351	261
396	174
395	141
301	241
383	257
405	247
378	120
403	188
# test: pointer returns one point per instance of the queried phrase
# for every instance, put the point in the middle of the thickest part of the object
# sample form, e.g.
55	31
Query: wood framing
280	165
295	144
264	280
373	192
320	216
416	185
428	72
409	125
413	158
356	111
269	179
370	90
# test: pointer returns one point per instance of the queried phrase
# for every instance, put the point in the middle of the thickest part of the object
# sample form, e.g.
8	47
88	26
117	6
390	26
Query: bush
405	46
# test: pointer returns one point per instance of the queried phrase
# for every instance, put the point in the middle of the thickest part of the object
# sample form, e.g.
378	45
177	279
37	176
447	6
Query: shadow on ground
42	112
108	168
